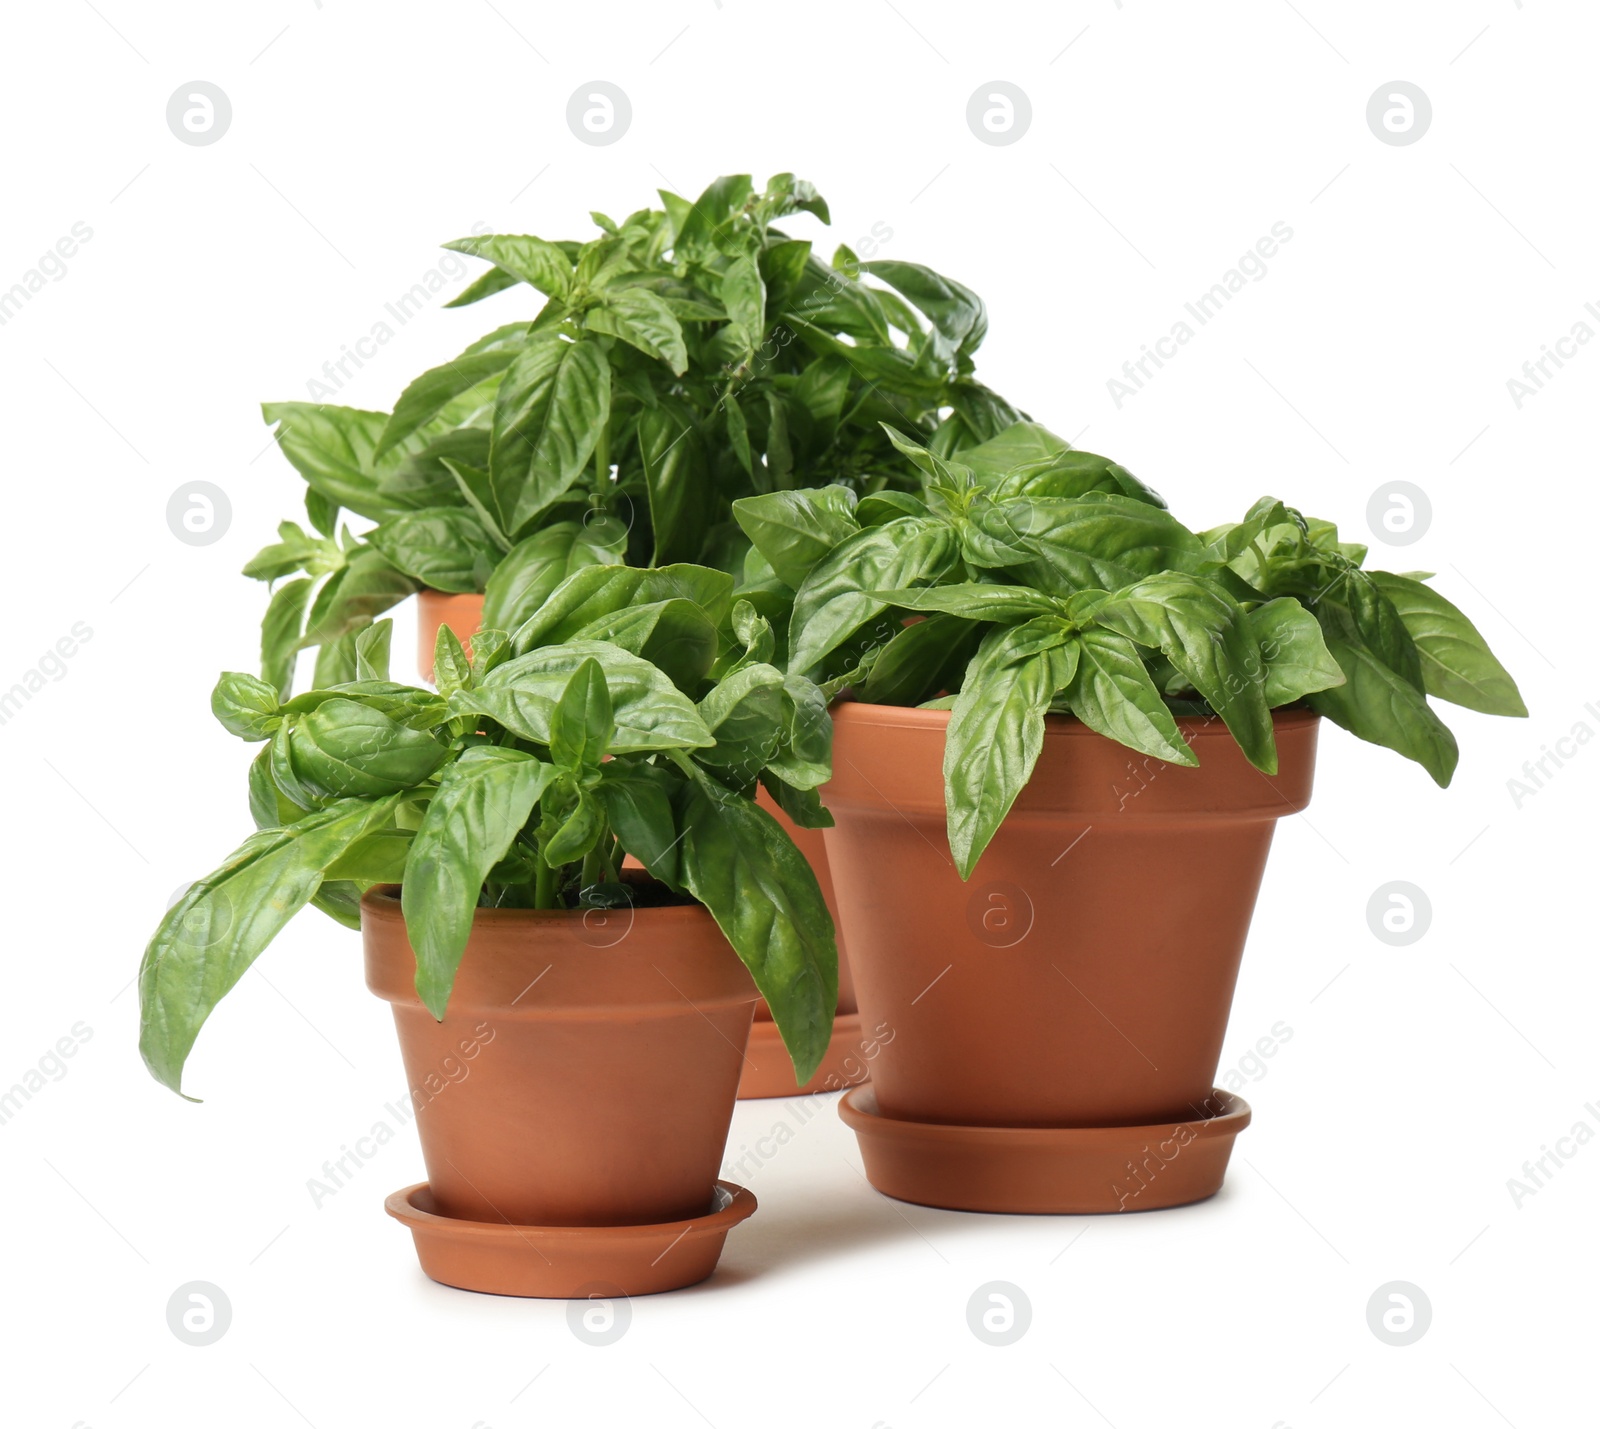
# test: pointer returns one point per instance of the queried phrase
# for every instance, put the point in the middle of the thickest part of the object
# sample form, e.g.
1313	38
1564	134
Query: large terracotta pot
1083	977
768	1072
585	1070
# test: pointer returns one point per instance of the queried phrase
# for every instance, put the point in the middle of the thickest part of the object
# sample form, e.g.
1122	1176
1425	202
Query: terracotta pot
584	1073
768	1072
1083	977
462	613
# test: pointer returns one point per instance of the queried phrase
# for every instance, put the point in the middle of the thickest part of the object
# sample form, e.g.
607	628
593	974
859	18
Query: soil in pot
1083	977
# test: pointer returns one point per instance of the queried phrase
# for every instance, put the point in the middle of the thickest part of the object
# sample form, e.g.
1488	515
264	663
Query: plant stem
544	887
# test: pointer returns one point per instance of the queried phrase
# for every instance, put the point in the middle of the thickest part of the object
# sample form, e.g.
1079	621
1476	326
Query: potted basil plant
477	835
1074	724
687	356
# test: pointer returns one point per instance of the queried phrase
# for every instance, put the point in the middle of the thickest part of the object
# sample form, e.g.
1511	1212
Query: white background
1165	140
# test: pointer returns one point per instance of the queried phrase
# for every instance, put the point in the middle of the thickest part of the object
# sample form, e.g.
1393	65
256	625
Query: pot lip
382	902
909	717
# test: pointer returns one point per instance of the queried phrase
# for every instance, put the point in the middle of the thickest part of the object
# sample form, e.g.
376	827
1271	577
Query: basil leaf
246	706
1203	632
957	313
831	603
531	260
553	405
281	629
1457	664
1060	545
796	529
677	483
974	601
536	565
649	711
1113	694
346	747
638	806
426	396
1292	649
372	651
643	320
739	862
993	741
332	448
484	799
580	724
1378	704
211	936
444	548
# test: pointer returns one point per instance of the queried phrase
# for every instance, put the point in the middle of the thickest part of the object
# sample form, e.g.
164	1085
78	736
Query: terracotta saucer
1046	1170
568	1262
768	1072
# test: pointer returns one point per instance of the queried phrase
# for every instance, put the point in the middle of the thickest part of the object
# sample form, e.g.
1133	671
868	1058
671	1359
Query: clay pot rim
1058	726
383	901
859	1110
735	1204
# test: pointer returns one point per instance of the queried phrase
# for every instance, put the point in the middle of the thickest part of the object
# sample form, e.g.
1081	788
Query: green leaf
1113	694
553	405
745	714
746	870
372	651
246	706
677	483
974	601
957	313
1062	545
796	529
1205	635
483	801
831	603
924	657
744	296
638	807
211	936
444	548
354	597
536	565
1296	658
281	629
531	260
649	712
431	393
580	724
643	320
332	448
485	285
993	741
1457	664
1382	707
675	635
579	832
347	747
452	670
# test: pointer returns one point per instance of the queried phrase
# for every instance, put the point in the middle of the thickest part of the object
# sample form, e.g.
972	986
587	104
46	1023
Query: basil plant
1028	578
635	712
689	355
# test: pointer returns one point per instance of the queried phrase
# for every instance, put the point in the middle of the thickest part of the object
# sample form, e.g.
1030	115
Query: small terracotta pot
585	1070
1083	977
462	613
768	1072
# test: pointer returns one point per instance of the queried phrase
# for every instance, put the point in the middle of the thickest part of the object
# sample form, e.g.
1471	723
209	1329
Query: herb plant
635	713
689	355
1049	580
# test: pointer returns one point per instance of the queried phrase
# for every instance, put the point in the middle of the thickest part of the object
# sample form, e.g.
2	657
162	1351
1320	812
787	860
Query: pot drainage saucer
568	1262
1035	1170
768	1072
